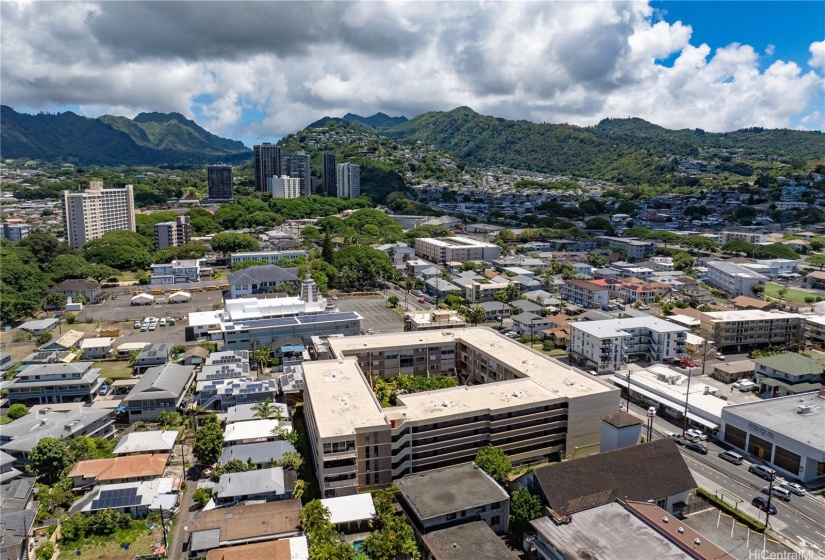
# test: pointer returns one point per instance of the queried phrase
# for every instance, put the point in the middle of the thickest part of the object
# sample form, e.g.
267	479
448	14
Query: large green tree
495	463
49	458
208	441
119	249
229	242
524	507
365	264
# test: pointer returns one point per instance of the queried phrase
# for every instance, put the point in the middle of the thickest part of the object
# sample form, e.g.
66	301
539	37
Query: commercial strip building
667	390
455	249
752	327
607	345
785	433
268	320
529	405
88	215
733	279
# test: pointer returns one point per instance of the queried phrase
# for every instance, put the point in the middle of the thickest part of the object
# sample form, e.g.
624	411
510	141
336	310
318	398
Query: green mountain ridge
621	150
148	139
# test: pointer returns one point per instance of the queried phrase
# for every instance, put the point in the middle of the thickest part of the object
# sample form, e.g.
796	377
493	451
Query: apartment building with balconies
733	279
636	249
584	293
606	346
55	383
510	396
455	249
749	328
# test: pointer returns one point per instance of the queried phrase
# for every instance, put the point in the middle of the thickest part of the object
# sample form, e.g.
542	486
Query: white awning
679	406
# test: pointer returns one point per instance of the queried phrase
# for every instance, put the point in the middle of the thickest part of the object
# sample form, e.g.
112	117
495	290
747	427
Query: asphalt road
802	520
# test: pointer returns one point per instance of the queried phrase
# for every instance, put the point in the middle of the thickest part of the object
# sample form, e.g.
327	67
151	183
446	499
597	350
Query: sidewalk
744	506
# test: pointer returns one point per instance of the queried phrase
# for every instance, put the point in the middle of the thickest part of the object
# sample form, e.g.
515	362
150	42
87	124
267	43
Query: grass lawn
139	537
115	370
4	420
772	290
130	276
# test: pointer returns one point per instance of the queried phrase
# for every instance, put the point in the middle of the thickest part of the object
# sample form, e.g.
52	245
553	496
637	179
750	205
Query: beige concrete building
434	319
510	396
88	215
752	327
457	249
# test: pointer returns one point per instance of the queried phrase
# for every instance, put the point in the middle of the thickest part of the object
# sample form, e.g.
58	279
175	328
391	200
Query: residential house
253	431
438	287
99	348
153	441
55	383
746	302
74	288
813	280
351	514
789	374
17	520
397	251
262	454
522	305
195	356
7	470
247	412
728	372
39	326
269	485
292	548
654	472
6	361
529	324
18	438
216	529
135	499
162	388
69	340
259	280
470	541
452	496
220	394
153	355
127	468
495	310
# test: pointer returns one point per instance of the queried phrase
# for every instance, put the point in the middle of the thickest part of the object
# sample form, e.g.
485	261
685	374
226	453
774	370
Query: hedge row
727	508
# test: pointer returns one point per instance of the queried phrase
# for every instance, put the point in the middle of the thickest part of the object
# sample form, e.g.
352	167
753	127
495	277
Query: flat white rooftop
343	402
611	328
749	315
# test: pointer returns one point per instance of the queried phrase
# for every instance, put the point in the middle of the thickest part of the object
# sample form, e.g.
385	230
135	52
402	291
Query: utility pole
163	527
687	394
770	495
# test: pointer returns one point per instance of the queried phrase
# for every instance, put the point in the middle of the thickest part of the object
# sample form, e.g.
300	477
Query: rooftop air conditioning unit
804	409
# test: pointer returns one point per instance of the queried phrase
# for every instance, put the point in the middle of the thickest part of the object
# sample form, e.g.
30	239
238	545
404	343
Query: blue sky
255	71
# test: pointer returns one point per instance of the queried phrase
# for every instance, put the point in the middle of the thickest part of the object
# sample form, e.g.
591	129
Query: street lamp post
651	412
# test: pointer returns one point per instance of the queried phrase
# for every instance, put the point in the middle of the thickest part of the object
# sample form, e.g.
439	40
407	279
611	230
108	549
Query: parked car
732	457
720	357
334	297
162	322
152	326
794	488
762	503
697	434
744	385
685	363
644	307
136	325
104	389
762	471
779	492
422	300
697	447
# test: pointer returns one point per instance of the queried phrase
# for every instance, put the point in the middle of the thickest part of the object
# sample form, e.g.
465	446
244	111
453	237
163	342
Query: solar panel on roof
23	490
115	499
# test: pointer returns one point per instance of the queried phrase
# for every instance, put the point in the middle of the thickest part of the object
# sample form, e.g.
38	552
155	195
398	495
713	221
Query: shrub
71	318
44	338
17	410
46	551
202	496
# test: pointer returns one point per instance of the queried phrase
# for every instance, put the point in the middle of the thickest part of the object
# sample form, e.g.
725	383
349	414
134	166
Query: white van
744	385
732	457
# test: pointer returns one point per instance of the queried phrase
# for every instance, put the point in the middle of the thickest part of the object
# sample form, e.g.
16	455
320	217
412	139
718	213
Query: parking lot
377	316
121	309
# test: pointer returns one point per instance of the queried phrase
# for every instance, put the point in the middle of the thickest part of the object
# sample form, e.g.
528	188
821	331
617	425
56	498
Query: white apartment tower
348	180
88	215
284	187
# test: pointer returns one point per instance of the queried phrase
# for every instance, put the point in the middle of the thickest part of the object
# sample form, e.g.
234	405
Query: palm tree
265	409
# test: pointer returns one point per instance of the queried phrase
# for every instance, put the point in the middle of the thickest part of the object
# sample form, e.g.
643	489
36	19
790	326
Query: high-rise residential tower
349	180
284	187
329	175
88	215
219	177
267	162
296	165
